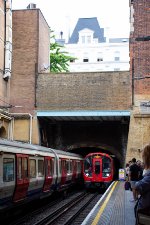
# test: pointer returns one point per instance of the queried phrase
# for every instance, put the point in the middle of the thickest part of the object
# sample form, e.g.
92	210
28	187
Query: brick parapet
84	91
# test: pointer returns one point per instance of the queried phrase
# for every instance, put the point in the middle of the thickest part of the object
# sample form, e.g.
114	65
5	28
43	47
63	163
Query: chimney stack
31	6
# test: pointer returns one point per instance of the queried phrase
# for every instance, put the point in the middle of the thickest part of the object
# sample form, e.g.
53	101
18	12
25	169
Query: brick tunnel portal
83	136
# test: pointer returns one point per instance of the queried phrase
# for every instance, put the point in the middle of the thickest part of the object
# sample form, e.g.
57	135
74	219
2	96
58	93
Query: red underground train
98	170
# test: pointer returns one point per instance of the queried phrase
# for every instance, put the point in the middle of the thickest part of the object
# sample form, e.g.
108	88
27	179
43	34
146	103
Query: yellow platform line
95	221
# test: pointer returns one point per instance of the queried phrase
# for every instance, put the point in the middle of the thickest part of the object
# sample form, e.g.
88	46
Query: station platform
114	208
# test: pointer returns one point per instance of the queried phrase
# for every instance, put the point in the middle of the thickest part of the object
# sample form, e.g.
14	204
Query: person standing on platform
139	163
142	187
134	173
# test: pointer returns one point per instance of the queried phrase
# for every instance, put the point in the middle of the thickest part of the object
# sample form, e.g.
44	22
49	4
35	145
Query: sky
62	15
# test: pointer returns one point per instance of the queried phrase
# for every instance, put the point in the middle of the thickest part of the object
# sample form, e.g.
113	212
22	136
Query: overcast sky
62	15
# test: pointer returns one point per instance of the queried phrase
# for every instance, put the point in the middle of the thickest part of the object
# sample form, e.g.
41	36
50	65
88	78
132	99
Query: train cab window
8	169
106	167
40	168
97	167
32	168
88	165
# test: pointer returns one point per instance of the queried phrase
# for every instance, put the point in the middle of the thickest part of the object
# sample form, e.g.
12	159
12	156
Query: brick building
30	56
139	132
140	46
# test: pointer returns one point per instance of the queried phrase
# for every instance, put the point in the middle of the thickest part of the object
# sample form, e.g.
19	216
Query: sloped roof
89	23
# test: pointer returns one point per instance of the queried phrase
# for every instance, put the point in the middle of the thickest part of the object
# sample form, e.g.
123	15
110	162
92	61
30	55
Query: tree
58	58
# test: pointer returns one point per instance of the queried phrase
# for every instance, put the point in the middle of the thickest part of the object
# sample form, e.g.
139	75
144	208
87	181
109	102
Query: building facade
91	50
5	67
31	46
139	132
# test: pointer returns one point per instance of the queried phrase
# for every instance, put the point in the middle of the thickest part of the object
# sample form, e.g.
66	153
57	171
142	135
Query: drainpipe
31	120
7	39
4	33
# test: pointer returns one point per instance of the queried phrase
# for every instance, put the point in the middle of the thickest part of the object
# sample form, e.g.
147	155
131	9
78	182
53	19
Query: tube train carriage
98	170
30	171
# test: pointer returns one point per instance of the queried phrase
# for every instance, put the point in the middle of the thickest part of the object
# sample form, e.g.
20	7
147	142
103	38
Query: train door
22	178
97	170
49	170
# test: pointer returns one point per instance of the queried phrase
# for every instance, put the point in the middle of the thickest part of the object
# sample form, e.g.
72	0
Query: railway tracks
63	213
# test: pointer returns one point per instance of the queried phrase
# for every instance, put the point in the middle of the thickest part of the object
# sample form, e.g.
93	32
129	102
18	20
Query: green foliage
58	58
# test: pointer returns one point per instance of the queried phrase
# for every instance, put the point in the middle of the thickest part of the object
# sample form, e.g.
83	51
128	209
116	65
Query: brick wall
24	58
84	91
139	129
140	50
29	52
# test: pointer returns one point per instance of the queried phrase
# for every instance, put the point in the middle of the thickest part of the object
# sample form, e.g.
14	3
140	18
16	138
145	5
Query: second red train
98	170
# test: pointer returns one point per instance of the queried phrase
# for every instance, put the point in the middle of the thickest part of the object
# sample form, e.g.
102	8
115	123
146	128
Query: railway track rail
70	211
38	214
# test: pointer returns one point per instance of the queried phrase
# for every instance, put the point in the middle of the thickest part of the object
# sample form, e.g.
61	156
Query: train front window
8	169
106	166
97	167
88	166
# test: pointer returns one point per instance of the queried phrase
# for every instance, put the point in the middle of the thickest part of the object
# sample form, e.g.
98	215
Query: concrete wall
84	91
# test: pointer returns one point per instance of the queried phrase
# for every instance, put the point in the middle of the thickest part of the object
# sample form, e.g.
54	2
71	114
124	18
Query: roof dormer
86	36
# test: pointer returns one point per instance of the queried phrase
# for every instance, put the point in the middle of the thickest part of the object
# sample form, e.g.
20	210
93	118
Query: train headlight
106	174
88	174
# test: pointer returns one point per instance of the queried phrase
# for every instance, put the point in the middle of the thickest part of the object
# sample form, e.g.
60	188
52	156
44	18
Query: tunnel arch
84	149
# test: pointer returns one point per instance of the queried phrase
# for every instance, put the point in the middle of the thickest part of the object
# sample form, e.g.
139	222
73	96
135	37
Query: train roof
61	152
98	153
33	147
